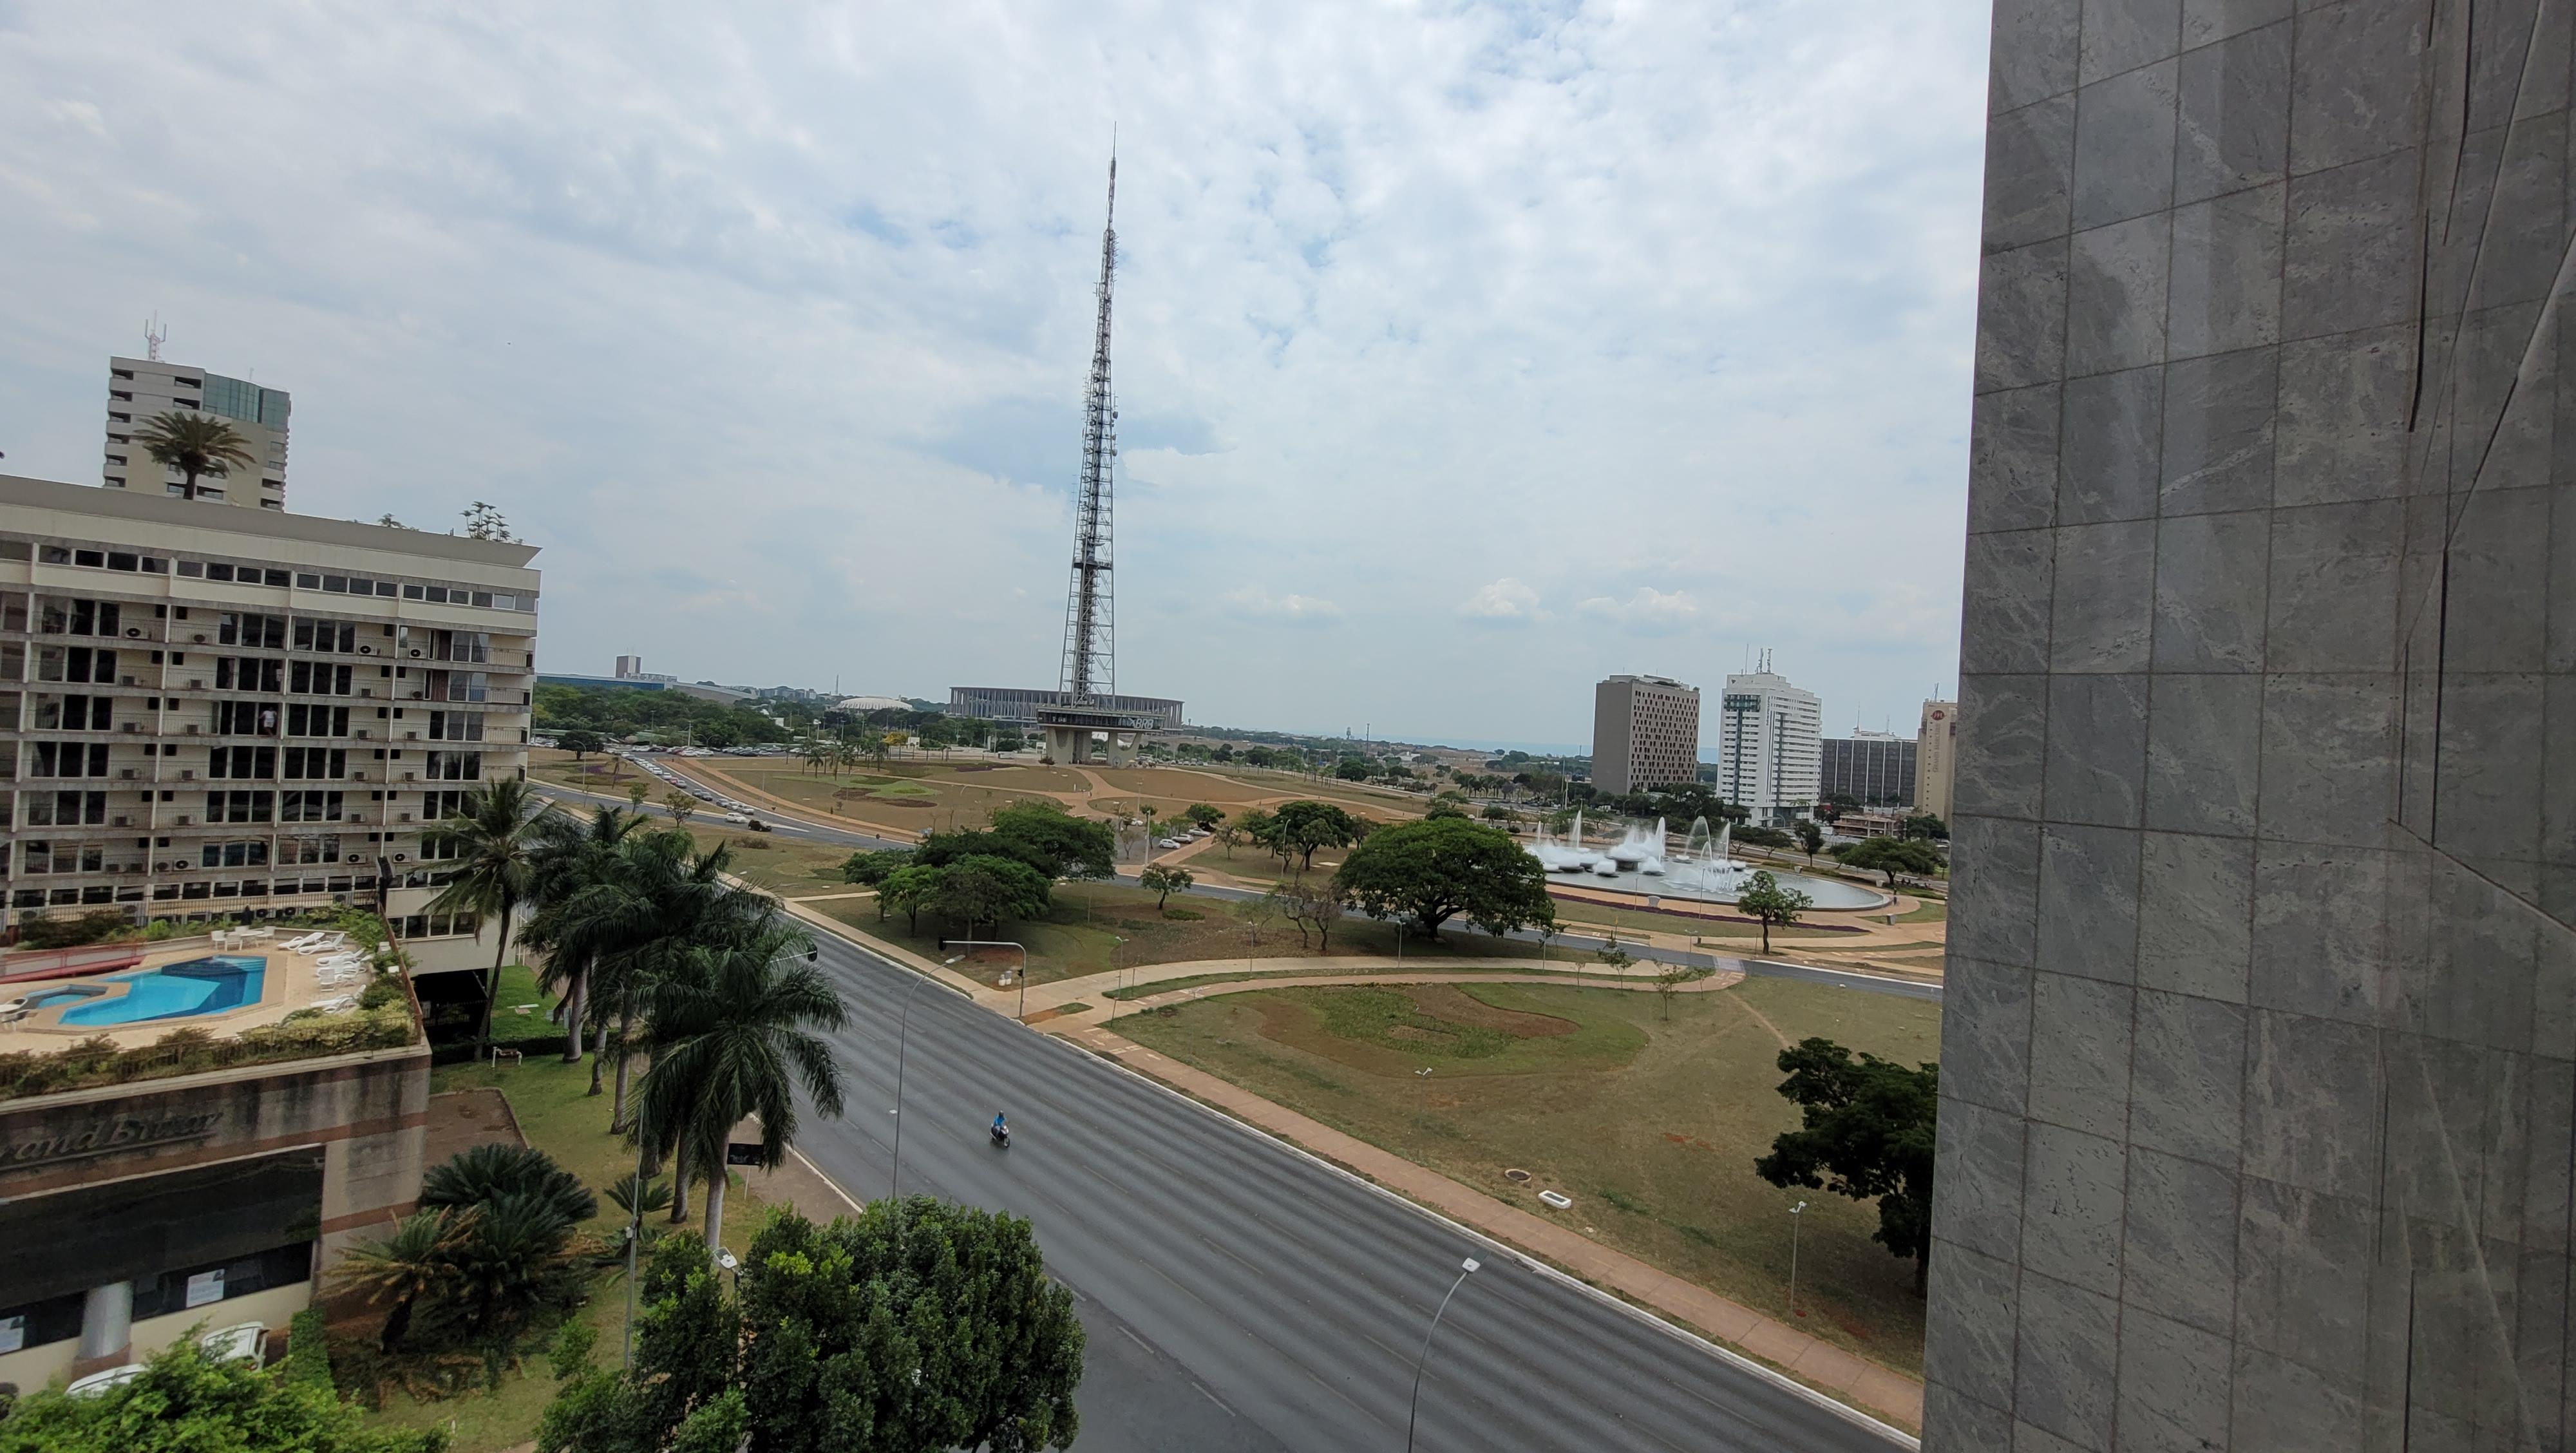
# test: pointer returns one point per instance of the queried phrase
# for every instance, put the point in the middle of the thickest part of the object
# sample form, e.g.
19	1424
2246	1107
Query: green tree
732	1037
484	522
1308	906
1811	836
487	1172
580	743
415	1264
1867	1133
1163	882
869	869
1445	809
1354	769
493	842
569	856
185	1402
910	1327
680	805
1434	869
196	445
1923	825
1203	815
1669	980
1768	902
1076	847
987	889
908	890
636	792
1891	856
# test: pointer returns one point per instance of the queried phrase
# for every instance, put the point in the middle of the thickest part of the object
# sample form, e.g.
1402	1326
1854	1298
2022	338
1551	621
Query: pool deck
287	984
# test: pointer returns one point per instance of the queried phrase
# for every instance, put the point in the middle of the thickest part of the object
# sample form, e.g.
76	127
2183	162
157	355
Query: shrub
308	1348
380	991
486	1173
96	926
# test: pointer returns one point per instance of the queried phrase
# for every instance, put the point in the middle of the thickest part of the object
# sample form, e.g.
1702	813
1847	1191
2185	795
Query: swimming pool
176	991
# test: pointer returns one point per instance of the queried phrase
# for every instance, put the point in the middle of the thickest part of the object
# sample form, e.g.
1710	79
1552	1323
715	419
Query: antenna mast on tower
154	335
1090	661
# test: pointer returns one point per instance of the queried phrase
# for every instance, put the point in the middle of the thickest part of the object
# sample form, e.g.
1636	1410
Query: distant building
140	388
1874	769
1645	734
1016	704
1936	755
1769	754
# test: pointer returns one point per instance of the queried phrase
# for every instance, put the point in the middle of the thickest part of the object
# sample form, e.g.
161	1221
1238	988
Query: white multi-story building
140	388
1645	734
209	713
1770	745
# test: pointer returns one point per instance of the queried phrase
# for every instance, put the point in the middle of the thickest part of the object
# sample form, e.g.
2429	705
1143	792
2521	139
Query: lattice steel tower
1090	660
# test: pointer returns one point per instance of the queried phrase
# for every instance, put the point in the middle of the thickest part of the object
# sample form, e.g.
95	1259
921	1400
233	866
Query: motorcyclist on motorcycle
1001	1129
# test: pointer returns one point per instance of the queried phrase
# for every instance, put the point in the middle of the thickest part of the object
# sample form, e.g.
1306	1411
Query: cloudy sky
1465	352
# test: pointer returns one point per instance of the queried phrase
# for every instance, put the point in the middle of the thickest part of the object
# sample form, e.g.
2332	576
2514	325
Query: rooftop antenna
154	335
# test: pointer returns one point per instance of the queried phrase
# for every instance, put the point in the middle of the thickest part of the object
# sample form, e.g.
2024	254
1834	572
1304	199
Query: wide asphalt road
1239	1296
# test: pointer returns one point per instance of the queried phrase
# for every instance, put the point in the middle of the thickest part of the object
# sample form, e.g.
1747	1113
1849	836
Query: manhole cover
1558	1199
1517	1177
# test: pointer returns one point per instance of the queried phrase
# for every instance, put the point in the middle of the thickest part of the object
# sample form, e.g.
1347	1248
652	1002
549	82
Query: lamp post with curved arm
1466	1269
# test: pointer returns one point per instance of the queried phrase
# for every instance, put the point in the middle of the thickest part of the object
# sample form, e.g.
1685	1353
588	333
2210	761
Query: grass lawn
1932	910
557	1114
1082	934
1650	1122
788	867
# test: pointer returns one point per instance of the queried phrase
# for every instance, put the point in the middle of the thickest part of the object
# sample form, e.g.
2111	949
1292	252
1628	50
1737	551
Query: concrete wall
2257	1089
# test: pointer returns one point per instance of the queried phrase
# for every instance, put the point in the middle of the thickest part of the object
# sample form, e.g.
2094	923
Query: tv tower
1090	673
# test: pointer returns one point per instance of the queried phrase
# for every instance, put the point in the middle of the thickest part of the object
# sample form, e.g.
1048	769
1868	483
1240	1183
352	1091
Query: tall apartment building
139	388
1645	734
1769	748
1936	750
249	713
1874	769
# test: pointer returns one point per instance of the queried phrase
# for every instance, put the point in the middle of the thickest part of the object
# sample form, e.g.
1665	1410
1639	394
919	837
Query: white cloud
1257	604
1646	612
799	297
1506	600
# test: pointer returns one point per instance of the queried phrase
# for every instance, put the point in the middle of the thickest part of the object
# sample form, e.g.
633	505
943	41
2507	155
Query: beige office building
1645	734
247	713
1936	748
140	388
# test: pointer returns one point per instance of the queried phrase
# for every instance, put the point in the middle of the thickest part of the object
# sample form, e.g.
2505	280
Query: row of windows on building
255	573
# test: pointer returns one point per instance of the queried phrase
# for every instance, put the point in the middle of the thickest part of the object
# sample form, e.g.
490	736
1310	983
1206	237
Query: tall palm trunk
492	987
715	1209
599	1055
625	1057
576	1004
679	1181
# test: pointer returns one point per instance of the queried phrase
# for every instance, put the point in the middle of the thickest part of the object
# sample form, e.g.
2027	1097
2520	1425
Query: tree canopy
195	445
1868	1134
1769	903
1890	856
1302	827
186	1403
1438	868
618	711
1040	834
918	1325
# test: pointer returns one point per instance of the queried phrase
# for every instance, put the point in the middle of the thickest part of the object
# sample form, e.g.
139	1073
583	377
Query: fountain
1702	868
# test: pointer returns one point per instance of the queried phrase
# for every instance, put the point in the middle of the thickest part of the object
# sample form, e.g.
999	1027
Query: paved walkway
1863	1383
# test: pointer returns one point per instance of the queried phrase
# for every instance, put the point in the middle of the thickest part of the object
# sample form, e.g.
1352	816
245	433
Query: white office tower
1770	745
140	389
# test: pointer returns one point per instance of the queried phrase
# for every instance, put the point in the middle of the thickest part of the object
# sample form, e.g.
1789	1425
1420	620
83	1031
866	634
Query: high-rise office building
138	389
207	713
2258	1057
1645	734
1769	748
1936	750
1874	769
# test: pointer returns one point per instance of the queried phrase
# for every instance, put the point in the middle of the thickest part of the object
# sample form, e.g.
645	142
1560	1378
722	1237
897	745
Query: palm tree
194	444
731	1039
417	1261
570	855
493	839
640	905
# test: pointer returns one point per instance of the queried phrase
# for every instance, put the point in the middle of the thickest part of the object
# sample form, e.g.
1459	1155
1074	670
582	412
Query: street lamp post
1794	1218
948	943
902	1046
1466	1269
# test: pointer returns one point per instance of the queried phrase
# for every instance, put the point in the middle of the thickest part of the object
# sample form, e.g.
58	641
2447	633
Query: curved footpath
1864	1384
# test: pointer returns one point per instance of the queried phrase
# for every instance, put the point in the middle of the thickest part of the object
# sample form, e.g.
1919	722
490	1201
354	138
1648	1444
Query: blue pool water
176	991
